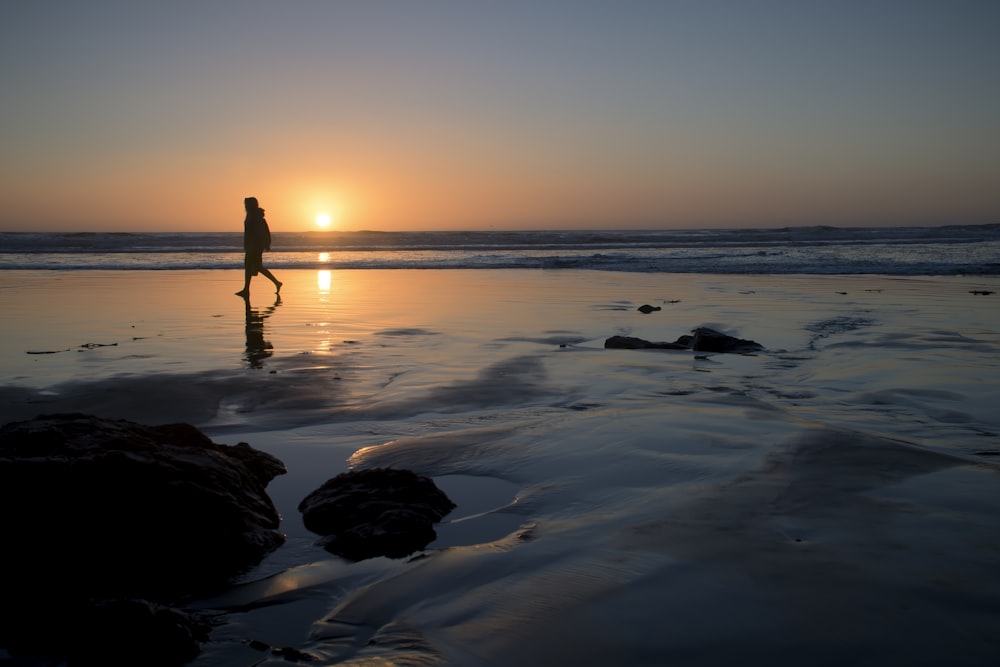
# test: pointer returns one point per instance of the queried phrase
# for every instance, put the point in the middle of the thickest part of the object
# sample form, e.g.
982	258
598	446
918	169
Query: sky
117	115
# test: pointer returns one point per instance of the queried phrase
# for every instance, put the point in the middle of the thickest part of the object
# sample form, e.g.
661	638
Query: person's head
250	203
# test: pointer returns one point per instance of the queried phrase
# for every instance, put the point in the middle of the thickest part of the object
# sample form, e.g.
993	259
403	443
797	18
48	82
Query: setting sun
323	220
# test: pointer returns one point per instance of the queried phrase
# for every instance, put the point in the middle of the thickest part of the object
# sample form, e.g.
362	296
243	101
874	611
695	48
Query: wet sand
833	499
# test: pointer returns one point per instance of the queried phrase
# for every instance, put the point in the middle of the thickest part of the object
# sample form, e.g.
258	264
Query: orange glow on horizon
429	197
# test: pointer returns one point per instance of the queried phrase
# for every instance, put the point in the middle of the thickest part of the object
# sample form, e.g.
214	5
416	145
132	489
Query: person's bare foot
277	287
244	293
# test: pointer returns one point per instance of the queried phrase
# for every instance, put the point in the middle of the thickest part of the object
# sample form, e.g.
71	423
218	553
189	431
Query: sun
323	220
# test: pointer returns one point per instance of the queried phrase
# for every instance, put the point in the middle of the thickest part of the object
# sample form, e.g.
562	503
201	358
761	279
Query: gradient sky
505	114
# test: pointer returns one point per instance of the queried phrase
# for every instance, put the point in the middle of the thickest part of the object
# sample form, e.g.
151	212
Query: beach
832	499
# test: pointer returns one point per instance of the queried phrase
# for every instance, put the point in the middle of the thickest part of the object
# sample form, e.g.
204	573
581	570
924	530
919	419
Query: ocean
903	251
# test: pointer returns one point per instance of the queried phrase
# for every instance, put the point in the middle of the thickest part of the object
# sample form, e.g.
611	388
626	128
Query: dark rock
646	308
632	343
137	632
703	340
377	512
101	507
96	512
108	633
710	340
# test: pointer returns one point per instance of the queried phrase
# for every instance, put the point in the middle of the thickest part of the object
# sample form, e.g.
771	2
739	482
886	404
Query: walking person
256	239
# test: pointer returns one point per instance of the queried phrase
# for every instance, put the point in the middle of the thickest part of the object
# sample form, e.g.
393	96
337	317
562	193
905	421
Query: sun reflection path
324	281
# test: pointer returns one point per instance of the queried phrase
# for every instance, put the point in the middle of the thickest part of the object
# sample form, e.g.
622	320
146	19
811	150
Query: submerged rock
376	512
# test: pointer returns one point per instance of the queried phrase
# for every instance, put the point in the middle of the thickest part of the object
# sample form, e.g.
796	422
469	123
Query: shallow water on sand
833	499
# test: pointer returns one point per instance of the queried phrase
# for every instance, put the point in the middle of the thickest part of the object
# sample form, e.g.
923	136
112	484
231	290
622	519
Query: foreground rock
377	512
95	509
138	632
702	340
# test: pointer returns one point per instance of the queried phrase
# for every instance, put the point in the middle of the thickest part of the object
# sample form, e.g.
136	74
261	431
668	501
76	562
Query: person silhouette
256	239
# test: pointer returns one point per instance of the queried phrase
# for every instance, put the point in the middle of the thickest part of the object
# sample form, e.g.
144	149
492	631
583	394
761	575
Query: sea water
946	250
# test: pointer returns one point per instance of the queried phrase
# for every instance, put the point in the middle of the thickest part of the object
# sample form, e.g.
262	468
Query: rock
646	308
109	633
137	632
703	340
710	340
97	512
376	512
685	341
632	343
99	507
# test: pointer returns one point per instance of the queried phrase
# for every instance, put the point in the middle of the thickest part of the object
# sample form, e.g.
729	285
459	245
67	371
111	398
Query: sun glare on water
323	220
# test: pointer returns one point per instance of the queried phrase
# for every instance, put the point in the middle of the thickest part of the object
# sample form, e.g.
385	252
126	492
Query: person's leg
277	283
246	284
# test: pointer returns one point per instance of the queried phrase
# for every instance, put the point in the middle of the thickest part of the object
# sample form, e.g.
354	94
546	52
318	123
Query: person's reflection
258	349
